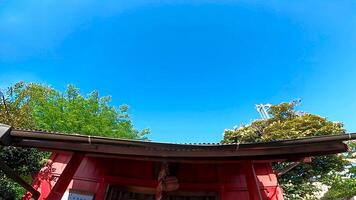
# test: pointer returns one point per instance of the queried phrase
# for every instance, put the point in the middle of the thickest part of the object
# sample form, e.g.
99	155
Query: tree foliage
36	106
343	184
15	110
287	123
91	115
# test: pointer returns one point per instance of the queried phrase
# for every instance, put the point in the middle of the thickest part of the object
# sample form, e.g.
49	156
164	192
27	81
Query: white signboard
77	195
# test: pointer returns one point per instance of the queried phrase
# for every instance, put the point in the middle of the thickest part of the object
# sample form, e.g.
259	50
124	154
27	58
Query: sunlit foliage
36	106
287	123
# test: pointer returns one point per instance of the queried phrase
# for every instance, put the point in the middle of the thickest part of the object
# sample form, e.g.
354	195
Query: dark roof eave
99	146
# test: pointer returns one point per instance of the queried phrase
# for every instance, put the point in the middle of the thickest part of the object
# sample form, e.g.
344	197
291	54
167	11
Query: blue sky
188	69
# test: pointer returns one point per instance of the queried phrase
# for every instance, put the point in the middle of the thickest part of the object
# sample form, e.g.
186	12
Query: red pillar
102	189
254	191
66	177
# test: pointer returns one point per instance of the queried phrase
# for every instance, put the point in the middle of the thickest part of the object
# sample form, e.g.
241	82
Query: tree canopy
287	123
343	185
37	106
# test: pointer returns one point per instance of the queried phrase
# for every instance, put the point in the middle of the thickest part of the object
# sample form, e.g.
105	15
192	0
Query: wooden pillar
254	191
66	177
103	185
222	191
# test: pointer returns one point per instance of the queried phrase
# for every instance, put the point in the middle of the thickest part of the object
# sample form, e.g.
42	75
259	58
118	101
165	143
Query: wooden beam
10	173
66	177
178	155
293	165
287	168
254	191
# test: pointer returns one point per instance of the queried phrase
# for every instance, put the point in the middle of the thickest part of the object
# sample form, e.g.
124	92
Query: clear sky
188	69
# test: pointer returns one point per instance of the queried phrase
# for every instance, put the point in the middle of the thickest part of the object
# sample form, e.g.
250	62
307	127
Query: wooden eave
145	150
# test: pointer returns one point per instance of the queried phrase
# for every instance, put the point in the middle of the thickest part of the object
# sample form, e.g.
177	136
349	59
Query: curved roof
145	150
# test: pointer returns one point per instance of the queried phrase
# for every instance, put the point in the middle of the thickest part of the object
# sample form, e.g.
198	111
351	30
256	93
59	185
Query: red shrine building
86	168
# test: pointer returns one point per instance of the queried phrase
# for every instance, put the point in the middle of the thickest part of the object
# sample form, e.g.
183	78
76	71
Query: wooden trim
152	191
252	181
150	183
289	152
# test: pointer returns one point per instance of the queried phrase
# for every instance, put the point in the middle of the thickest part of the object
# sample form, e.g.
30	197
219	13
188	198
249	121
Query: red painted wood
252	182
102	189
230	181
66	177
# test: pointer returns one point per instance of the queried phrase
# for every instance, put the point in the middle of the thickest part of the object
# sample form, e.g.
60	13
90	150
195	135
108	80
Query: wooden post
103	185
254	191
66	177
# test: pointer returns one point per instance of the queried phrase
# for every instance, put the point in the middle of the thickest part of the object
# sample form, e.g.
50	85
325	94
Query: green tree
15	110
36	106
92	115
287	123
343	185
